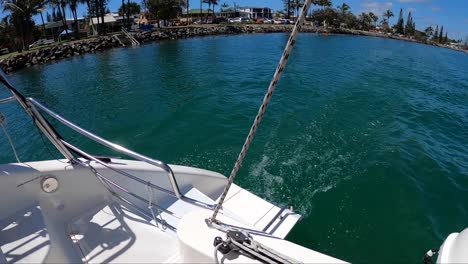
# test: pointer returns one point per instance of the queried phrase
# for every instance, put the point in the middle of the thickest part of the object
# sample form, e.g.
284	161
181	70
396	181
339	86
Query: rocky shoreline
54	53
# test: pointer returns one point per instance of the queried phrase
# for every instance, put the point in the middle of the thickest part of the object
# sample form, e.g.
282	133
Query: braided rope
266	100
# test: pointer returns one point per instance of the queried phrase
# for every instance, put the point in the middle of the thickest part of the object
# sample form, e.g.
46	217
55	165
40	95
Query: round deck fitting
49	184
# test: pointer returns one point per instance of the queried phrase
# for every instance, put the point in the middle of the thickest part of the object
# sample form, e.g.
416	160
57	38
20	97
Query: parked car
41	42
239	20
282	21
268	21
4	51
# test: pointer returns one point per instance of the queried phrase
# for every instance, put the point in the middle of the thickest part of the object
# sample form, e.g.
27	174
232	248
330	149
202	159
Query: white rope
266	100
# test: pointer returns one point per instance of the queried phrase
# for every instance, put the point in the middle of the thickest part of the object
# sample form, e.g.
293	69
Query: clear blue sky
452	14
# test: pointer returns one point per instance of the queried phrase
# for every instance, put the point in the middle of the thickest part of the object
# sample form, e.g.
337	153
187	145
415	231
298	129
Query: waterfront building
255	12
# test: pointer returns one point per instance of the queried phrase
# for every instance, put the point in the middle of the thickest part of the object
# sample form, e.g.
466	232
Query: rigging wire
2	124
264	105
46	145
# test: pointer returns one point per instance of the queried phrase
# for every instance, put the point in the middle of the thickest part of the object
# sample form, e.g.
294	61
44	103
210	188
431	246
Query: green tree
441	34
224	7
344	8
214	3
128	9
73	4
328	15
41	10
429	30
131	9
97	9
399	27
446	38
8	35
373	18
20	13
297	4
288	7
410	27
324	3
60	14
187	7
388	14
164	9
210	3
436	34
365	21
386	19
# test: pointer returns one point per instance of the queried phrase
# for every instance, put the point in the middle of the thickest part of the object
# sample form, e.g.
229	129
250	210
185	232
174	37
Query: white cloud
412	9
435	9
377	8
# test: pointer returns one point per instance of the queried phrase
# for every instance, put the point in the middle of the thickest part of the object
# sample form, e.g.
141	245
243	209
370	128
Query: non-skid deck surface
116	235
112	234
24	238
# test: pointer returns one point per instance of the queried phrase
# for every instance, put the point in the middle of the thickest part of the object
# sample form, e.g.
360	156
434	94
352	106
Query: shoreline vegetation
59	51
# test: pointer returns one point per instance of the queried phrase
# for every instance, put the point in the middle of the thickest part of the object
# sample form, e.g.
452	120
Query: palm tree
324	3
187	12
373	17
42	9
429	30
59	4
287	7
73	4
388	14
21	12
214	3
210	2
88	5
224	7
201	10
297	4
63	5
344	8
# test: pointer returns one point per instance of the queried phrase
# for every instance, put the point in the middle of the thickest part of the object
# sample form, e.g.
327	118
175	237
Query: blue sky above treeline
452	14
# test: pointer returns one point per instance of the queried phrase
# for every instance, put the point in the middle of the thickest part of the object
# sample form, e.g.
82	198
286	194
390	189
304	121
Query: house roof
56	24
197	11
253	7
108	18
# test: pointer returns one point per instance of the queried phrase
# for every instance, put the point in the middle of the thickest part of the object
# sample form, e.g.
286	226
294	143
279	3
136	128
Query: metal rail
113	146
5	100
173	181
32	107
132	39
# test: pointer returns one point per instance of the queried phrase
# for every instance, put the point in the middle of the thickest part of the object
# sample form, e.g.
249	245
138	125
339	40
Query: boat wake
294	170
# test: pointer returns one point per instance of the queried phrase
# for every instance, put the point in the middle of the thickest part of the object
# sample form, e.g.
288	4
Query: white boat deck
83	222
113	234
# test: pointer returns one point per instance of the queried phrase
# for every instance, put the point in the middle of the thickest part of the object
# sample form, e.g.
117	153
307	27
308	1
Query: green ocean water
366	137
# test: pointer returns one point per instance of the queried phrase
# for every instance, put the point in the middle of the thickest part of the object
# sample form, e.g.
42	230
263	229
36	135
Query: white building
255	12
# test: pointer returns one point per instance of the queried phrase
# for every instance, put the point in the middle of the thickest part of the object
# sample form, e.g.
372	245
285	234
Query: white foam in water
294	173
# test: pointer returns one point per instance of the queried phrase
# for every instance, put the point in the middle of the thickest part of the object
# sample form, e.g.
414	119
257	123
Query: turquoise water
366	137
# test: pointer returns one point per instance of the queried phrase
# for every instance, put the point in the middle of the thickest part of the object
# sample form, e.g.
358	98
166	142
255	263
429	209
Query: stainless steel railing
32	107
171	177
113	146
132	39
